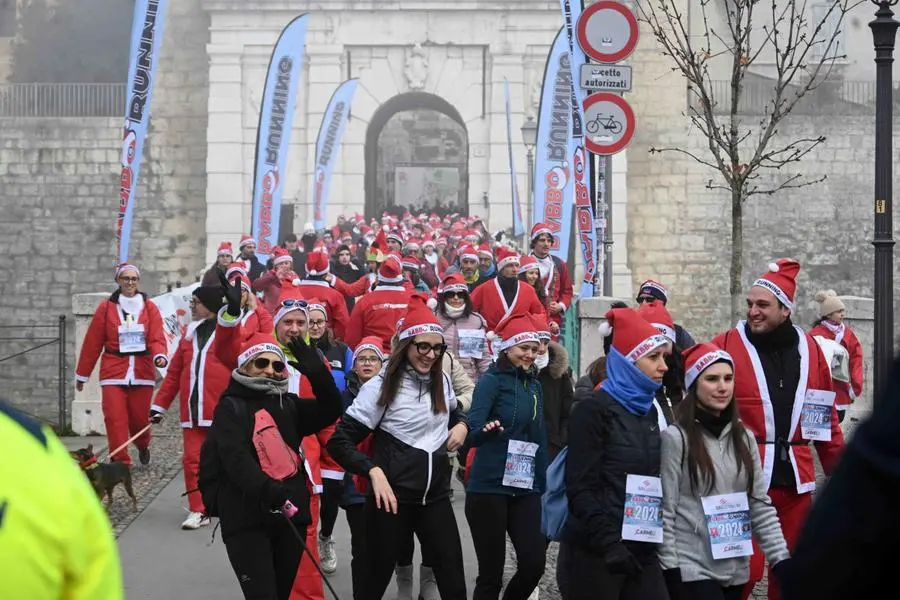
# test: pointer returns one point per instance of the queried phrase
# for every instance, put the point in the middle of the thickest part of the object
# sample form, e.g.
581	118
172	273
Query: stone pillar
591	313
621	282
860	317
87	414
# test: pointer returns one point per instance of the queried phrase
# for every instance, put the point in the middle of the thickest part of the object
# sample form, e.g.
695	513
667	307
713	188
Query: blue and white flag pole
518	224
327	145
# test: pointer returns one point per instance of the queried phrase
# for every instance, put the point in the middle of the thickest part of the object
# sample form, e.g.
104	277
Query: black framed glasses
461	295
318	323
262	363
129	279
292	303
423	348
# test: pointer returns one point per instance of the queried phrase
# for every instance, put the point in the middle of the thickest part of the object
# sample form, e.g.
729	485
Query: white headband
127	267
647	346
520	338
666	331
424	328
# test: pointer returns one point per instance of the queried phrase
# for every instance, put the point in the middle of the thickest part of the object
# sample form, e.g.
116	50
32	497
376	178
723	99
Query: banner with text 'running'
327	145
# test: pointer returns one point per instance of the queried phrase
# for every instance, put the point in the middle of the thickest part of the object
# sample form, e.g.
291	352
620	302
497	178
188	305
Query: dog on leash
104	477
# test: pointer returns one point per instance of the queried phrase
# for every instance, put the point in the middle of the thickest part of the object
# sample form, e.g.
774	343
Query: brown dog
104	477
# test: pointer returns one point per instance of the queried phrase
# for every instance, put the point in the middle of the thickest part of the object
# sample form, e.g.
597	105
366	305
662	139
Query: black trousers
582	575
408	545
265	561
329	503
435	526
491	517
356	519
711	590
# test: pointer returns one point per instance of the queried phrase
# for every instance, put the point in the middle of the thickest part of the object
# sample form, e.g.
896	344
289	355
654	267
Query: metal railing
830	98
29	100
39	336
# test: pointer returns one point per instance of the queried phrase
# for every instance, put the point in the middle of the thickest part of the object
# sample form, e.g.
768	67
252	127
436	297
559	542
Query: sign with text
605	78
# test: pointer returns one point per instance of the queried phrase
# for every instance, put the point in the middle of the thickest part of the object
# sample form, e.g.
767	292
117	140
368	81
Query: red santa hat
517	329
317	264
428	243
369	343
635	337
246	240
390	271
237	267
454	283
541	325
316	304
256	345
506	256
127	267
484	251
656	314
699	357
410	263
291	300
468	253
396	236
281	256
539	229
413	244
654	289
527	263
419	319
225	249
781	280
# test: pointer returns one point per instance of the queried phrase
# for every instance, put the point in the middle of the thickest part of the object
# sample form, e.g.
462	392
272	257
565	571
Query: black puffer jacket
556	385
607	443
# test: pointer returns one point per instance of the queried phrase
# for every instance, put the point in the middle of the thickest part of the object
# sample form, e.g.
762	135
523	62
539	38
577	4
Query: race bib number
132	338
642	519
519	472
471	343
815	418
728	524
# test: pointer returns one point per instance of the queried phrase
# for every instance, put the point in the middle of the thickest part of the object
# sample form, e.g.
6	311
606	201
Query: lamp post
884	31
529	138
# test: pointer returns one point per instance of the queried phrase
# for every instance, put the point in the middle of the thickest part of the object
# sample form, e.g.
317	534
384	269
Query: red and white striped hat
699	357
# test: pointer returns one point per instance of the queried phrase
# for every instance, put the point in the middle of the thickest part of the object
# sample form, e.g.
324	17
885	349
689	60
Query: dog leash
131	439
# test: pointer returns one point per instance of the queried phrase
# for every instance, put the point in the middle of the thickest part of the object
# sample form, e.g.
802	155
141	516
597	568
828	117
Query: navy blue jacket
513	397
351	494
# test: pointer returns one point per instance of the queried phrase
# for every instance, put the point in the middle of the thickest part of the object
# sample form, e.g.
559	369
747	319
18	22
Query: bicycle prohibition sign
609	122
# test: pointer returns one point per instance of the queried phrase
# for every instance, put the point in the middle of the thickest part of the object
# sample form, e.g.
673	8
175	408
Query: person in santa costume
224	258
467	265
785	396
376	314
254	319
554	273
247	255
281	277
127	330
506	294
198	375
831	326
315	286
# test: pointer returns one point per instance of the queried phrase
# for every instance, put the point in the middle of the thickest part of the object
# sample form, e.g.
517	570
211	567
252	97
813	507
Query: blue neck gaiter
628	385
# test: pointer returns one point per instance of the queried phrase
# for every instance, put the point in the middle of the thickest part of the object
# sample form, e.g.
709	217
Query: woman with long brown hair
711	474
412	413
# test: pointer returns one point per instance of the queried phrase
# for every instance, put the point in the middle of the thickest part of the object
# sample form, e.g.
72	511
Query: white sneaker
535	595
327	554
195	520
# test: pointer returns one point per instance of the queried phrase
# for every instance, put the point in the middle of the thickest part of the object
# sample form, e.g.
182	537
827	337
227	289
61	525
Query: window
832	27
7	18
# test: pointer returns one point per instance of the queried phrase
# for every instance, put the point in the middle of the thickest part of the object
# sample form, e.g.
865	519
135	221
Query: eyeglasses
129	279
318	323
291	303
262	363
461	295
423	348
368	360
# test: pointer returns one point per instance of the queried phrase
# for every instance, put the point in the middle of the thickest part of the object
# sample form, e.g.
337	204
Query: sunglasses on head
290	303
262	363
423	348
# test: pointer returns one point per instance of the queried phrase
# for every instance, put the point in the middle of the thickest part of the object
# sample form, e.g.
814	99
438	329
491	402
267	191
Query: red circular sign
620	130
594	11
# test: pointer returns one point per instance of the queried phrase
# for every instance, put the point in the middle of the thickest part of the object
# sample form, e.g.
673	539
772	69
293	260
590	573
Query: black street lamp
529	138
884	31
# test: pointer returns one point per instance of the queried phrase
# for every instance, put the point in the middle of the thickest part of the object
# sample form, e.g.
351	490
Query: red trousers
308	583
193	439
792	509
126	410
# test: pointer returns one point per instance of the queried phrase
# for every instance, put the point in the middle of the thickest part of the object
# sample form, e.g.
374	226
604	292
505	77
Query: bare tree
803	51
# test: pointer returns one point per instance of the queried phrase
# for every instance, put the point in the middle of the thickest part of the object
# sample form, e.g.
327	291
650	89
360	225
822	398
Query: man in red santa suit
554	273
376	314
315	286
785	396
505	295
281	277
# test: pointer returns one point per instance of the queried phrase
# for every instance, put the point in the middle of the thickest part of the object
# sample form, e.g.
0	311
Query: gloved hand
620	561
306	354
674	584
781	570
232	293
155	416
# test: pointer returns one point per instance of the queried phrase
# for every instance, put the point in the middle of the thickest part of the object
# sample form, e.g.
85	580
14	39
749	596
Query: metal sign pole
607	239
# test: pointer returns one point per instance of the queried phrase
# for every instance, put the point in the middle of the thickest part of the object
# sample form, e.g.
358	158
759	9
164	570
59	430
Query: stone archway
417	157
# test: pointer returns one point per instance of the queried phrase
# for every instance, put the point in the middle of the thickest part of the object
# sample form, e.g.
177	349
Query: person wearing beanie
785	396
127	330
554	273
376	313
711	473
672	390
315	286
247	255
251	482
505	295
279	278
224	258
831	326
614	526
507	474
418	420
465	330
654	291
198	375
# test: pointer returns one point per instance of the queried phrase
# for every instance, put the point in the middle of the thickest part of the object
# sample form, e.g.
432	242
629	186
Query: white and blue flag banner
518	224
327	145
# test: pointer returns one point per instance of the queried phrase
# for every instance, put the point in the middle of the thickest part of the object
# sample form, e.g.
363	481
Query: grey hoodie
686	543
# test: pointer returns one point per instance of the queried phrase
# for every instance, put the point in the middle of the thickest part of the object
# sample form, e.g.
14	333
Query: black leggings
356	519
582	575
329	503
408	545
435	526
711	590
491	517
265	561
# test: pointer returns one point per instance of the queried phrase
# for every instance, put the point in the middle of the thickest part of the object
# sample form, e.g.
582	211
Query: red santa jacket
318	462
258	320
103	337
271	287
355	289
489	302
338	317
847	393
377	314
751	394
216	360
557	285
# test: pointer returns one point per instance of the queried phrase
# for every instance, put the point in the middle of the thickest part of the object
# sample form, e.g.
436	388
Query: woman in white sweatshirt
714	490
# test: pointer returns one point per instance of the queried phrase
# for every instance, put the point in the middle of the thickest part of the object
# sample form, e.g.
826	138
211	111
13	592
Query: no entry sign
607	31
609	123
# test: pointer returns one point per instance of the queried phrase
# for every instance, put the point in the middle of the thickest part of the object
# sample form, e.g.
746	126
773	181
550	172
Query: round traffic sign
607	31
608	123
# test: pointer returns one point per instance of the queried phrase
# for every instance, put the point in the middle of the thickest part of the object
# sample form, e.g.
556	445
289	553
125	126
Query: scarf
628	385
835	328
454	313
712	423
261	384
782	337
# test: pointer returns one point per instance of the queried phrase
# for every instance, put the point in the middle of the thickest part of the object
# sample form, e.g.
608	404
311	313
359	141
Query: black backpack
211	474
